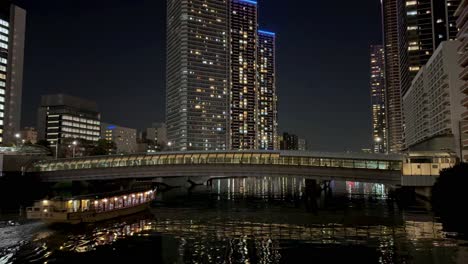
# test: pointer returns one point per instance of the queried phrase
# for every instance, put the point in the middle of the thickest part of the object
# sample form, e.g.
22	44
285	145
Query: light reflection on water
261	220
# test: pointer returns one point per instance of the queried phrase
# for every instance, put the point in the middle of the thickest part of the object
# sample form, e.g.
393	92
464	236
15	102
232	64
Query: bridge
363	167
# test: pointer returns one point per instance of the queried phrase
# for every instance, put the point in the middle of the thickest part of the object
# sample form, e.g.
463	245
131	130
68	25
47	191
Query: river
248	220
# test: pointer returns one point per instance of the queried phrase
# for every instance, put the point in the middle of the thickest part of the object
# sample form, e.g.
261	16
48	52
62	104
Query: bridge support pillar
312	191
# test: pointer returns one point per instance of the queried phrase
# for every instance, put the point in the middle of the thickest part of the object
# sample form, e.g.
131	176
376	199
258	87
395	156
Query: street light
75	143
56	148
169	144
17	137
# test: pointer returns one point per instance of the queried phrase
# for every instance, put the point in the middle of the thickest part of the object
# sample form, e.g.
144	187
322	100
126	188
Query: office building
29	135
289	142
12	34
462	24
377	87
431	105
396	69
429	22
64	118
197	74
125	138
267	100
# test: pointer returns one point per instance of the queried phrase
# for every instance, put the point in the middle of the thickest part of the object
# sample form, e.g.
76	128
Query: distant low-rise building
125	138
302	144
29	134
431	105
289	142
157	134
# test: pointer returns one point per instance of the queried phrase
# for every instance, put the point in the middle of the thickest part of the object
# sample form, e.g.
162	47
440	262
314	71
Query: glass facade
197	74
267	104
377	86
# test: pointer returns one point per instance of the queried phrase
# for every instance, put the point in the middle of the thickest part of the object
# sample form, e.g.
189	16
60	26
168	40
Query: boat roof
101	195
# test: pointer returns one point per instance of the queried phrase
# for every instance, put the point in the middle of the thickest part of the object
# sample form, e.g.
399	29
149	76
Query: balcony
463	32
462	18
463	46
464	127
465	143
463	59
465	101
464	116
464	88
464	74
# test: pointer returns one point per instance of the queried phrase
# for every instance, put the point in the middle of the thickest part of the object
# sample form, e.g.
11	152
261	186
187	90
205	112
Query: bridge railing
203	159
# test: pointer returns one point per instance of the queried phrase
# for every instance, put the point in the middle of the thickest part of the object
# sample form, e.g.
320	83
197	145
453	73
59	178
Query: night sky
113	52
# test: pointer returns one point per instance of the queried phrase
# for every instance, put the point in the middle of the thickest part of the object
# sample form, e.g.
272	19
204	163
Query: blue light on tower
267	33
248	1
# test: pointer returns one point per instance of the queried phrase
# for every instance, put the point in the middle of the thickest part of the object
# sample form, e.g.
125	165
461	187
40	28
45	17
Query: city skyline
306	89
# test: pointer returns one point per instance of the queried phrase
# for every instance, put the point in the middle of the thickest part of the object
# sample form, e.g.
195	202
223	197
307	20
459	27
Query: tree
450	188
449	198
102	147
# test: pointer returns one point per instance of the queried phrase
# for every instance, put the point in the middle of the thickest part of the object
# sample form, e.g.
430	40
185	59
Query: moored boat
91	208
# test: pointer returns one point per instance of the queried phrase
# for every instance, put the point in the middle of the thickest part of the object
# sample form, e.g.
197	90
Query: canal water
249	220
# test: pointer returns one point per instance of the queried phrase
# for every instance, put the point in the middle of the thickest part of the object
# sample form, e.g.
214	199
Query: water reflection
264	220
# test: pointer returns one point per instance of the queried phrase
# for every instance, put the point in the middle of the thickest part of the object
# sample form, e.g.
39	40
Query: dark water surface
248	220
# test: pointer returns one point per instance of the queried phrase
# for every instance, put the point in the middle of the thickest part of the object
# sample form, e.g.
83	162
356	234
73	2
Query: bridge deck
375	162
382	169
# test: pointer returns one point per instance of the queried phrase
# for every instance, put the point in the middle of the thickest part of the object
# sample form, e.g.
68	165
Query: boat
91	208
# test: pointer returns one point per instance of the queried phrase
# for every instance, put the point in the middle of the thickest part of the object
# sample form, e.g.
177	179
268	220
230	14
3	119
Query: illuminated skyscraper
216	96
244	83
197	74
377	86
12	30
267	103
462	23
396	69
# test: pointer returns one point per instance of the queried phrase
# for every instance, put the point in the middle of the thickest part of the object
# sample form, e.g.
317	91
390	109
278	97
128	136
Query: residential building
217	97
64	118
396	69
289	142
12	34
462	24
197	74
431	105
125	138
267	99
377	89
29	134
244	95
